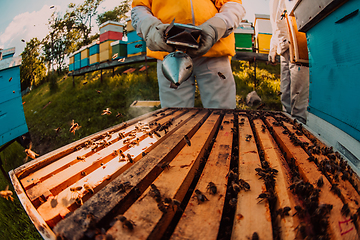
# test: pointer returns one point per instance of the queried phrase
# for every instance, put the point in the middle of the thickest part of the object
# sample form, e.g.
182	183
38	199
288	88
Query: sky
26	19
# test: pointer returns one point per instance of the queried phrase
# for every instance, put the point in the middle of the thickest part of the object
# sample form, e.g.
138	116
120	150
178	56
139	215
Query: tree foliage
117	14
32	70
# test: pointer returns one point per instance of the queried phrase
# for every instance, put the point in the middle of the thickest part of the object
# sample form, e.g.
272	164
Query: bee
248	137
232	174
264	195
233	202
30	153
299	211
345	210
79	201
10	79
88	188
155	193
119	115
157	134
75	189
255	236
80	158
114	56
283	212
211	188
74	126
106	111
124	186
164	165
121	60
263	128
162	207
138	45
129	158
121	135
187	140
7	194
320	182
98	91
57	130
221	75
244	185
126	223
200	196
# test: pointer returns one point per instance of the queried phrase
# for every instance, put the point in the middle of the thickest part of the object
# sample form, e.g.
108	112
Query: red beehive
111	35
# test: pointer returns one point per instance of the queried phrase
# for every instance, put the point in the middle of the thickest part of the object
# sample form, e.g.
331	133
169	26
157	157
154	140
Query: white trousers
214	78
294	87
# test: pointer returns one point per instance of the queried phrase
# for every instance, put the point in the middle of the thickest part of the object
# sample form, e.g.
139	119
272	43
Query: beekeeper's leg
183	96
299	91
216	82
285	81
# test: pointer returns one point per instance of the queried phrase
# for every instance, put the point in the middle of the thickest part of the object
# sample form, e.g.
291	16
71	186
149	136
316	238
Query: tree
32	69
81	15
117	14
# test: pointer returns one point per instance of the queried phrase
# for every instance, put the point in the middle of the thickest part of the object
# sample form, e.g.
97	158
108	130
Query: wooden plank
172	183
58	182
100	177
48	158
340	227
34	216
202	220
285	198
110	201
348	194
250	216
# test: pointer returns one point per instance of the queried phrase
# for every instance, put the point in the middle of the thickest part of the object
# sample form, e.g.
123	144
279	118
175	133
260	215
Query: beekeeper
217	19
294	84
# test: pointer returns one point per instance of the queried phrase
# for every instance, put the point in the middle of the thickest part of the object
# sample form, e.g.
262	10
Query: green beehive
243	37
119	49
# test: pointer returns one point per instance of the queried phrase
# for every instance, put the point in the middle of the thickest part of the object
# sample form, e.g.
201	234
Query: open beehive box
193	174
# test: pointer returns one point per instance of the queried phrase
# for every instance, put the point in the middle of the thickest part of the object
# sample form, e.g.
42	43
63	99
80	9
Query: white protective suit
216	91
294	84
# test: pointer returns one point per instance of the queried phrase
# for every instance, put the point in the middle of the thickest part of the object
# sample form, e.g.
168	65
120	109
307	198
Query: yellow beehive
129	27
263	43
105	55
71	60
85	53
105	46
94	59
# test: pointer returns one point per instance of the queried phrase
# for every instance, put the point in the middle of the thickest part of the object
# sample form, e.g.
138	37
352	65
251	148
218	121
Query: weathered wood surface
201	219
172	183
269	151
251	215
111	200
340	227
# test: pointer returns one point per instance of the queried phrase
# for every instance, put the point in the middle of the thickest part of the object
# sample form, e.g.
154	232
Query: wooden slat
57	182
250	216
348	194
285	198
202	221
110	200
340	227
34	216
50	157
98	178
172	183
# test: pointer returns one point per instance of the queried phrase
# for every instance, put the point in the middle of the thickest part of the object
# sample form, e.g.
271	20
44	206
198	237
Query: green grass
56	102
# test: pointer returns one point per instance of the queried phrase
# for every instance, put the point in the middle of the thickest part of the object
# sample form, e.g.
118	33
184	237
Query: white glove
272	55
150	28
212	30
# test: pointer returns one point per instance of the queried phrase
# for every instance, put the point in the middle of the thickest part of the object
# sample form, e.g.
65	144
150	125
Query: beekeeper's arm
280	38
150	28
221	25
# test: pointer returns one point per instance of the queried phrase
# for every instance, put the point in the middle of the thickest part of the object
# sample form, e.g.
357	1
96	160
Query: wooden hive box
193	174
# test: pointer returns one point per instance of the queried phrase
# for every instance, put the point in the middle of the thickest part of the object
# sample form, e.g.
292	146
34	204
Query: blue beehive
12	118
77	56
94	49
77	65
133	37
136	48
84	62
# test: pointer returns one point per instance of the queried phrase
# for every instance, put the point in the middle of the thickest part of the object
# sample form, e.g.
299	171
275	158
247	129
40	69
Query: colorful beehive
111	26
110	35
94	59
77	60
244	37
133	37
105	51
71	67
84	57
187	173
332	31
136	48
263	33
119	49
94	48
12	118
71	63
7	53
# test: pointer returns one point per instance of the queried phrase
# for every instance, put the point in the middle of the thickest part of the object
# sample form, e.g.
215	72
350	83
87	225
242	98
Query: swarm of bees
7	194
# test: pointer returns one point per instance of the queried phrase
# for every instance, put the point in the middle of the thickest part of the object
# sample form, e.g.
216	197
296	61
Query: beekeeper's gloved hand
212	30
150	28
272	55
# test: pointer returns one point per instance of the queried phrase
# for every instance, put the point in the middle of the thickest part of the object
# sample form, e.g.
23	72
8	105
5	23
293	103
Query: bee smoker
177	66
